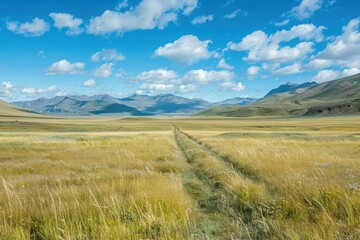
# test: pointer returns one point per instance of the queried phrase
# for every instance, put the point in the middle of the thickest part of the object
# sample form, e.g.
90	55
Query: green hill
331	98
9	110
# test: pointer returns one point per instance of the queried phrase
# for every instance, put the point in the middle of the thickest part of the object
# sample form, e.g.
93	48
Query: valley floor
180	178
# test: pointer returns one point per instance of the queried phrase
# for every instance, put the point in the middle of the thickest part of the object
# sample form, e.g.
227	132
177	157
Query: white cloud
157	75
288	70
223	64
306	9
89	83
282	23
61	93
262	47
345	49
187	88
202	19
167	80
201	76
148	14
65	67
65	20
156	87
187	50
270	66
123	4
350	71
329	75
104	70
326	75
37	27
318	64
7	90
33	91
253	71
107	55
233	14
232	86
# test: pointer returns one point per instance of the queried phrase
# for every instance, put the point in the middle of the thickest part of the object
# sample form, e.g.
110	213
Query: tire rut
228	160
221	219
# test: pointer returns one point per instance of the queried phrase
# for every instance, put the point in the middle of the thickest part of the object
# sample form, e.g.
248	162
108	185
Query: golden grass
213	178
314	180
70	187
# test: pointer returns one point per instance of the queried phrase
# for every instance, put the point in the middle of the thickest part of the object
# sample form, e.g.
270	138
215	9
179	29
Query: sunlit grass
138	178
92	188
314	180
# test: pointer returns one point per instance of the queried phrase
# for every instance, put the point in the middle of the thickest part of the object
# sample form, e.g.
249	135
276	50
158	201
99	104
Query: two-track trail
228	197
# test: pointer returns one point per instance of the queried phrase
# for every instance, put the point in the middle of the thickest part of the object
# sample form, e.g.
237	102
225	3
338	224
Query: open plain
179	178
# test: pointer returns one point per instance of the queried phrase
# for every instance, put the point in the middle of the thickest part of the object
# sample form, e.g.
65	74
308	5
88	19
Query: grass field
180	178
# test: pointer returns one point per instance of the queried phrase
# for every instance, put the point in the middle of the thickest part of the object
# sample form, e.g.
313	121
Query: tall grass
215	179
93	188
314	180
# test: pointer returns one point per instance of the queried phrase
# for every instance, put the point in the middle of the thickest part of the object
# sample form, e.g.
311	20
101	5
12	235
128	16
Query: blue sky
195	48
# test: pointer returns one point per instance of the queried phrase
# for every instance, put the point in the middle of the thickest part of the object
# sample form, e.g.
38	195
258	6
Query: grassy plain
179	178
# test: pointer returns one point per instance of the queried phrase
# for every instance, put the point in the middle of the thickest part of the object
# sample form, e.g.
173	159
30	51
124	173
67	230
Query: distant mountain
287	87
166	104
81	106
237	101
340	96
136	105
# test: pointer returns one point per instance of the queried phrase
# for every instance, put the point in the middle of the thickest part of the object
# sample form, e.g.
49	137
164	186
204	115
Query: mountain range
135	105
340	96
289	86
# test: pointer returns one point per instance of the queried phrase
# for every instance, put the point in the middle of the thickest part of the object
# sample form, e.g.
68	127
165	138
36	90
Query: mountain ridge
341	96
135	105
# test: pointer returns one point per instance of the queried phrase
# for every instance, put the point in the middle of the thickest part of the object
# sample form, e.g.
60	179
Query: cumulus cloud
148	14
306	9
187	88
318	64
7	90
253	71
157	75
107	55
326	75
167	80
37	27
350	71
223	64
187	50
329	75
262	47
202	19
61	93
288	70
64	67
156	87
344	50
89	83
201	76
36	91
232	86
68	21
104	70
224	79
